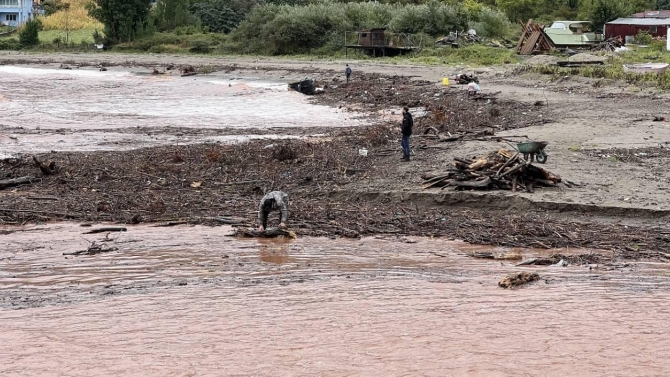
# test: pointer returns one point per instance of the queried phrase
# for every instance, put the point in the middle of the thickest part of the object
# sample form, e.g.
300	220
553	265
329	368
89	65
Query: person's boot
406	158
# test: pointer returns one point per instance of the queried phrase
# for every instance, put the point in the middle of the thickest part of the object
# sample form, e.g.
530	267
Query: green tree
663	4
52	6
124	20
521	10
171	14
221	16
29	36
604	11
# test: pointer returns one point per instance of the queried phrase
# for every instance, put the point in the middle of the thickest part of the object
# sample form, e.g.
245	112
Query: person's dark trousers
348	79
265	219
405	146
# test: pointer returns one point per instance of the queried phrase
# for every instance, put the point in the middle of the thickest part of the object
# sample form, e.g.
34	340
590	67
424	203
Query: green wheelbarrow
533	150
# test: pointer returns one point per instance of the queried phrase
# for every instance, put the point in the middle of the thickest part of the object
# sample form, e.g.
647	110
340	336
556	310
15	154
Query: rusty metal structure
378	42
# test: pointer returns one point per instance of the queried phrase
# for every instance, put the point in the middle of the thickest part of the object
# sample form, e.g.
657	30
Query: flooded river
191	301
84	109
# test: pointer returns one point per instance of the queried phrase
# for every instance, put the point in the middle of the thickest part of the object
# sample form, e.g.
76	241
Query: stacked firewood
502	170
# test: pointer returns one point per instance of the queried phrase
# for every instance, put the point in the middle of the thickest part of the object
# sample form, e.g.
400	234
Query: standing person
347	71
273	201
406	129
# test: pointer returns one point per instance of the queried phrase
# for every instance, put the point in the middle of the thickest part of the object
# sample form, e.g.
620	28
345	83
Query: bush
492	24
282	29
643	38
164	49
9	44
29	35
200	46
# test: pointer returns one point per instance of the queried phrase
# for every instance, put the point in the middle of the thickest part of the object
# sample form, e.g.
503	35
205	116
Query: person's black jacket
407	124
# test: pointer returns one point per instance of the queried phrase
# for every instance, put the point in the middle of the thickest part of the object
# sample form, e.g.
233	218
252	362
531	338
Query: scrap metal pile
502	170
609	45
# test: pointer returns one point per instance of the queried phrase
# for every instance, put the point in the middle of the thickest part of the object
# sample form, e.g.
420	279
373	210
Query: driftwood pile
502	170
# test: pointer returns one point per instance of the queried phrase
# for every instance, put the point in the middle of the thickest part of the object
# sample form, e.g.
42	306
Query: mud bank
572	115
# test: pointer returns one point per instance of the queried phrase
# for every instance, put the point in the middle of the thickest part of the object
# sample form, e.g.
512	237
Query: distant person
347	71
406	128
273	201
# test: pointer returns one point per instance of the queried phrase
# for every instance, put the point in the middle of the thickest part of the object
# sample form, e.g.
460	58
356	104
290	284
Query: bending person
273	201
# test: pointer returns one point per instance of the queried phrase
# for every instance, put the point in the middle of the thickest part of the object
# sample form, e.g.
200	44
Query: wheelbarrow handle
513	147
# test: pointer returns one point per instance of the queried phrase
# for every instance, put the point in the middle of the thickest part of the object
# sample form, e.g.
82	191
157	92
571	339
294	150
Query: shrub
492	24
29	35
164	49
643	38
200	46
9	44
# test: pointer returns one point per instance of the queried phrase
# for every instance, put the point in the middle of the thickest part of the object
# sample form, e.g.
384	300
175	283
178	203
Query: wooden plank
529	46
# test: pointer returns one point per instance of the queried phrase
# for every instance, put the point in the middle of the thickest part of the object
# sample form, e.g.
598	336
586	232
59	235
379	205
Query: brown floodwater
191	301
47	109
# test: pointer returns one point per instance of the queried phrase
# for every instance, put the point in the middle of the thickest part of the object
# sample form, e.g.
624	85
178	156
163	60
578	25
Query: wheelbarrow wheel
541	158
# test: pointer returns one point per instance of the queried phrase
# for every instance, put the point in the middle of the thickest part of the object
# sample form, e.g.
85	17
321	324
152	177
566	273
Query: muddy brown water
83	109
191	301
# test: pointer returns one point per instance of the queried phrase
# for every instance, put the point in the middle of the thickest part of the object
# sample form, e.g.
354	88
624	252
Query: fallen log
107	229
268	233
172	223
16	182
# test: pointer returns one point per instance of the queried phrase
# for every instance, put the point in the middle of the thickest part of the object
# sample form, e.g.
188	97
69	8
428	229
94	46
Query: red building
627	28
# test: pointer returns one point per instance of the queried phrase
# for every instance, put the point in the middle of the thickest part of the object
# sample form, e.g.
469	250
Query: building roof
653	14
641	21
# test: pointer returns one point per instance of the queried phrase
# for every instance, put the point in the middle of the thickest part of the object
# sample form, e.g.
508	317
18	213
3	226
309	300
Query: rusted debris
608	45
306	86
518	279
534	40
502	170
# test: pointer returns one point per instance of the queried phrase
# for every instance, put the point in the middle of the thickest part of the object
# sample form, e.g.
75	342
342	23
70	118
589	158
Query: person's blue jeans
405	145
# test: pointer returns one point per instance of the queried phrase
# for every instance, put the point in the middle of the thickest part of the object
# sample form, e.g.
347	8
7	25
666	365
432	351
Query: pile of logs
502	170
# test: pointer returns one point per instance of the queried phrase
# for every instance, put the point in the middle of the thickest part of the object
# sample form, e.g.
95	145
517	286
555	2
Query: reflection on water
197	303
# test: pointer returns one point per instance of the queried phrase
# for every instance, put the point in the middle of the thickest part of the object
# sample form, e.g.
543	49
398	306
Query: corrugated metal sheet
641	21
653	14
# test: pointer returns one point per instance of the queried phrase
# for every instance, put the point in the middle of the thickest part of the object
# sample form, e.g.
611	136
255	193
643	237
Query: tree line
290	26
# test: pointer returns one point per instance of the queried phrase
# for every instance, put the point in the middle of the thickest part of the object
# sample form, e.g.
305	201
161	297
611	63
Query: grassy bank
656	53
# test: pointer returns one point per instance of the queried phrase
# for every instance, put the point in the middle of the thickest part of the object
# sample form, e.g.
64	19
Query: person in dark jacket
273	201
406	129
347	72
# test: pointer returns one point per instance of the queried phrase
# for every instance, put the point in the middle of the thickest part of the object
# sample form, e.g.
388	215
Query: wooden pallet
533	39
